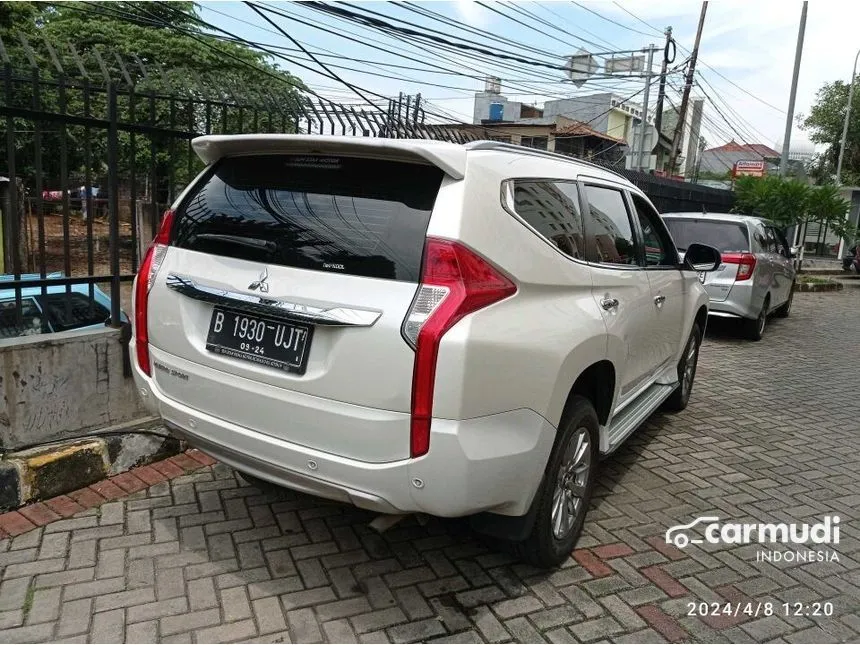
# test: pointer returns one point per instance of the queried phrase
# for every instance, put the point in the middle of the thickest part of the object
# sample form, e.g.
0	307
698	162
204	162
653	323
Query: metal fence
98	146
670	195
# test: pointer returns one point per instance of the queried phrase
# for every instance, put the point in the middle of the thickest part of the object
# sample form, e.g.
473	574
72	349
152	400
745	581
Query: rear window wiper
250	242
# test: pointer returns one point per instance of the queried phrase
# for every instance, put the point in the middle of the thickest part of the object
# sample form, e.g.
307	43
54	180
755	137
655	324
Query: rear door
727	236
660	261
620	285
334	241
766	276
783	268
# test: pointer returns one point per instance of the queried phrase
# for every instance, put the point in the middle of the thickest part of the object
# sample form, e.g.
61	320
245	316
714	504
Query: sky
746	55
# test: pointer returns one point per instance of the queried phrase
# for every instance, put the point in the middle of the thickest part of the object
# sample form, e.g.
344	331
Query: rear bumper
739	303
492	463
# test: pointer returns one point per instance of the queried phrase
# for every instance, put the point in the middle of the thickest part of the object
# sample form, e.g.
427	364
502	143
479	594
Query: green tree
169	36
787	203
165	49
824	124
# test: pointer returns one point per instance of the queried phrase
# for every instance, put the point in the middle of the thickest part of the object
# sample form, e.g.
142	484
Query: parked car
415	326
756	277
54	311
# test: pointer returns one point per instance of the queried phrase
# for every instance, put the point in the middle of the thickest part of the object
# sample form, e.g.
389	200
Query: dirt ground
83	259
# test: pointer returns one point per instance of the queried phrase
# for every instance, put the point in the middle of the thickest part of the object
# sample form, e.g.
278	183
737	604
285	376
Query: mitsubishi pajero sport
416	326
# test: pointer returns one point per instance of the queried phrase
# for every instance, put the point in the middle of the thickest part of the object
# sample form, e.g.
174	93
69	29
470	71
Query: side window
779	241
770	245
608	232
67	311
31	319
759	239
539	143
551	208
659	248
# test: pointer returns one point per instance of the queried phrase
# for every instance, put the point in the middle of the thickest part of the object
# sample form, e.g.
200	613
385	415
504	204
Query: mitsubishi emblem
261	284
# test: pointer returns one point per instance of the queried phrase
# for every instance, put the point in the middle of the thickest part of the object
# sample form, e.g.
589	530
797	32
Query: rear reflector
149	267
746	262
455	281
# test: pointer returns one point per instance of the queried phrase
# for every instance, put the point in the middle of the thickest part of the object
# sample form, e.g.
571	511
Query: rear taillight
145	279
746	262
455	282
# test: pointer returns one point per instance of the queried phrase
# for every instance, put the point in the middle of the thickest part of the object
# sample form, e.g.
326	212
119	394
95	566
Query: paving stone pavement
772	434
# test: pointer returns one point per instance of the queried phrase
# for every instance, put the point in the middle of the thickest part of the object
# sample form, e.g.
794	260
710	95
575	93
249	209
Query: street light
845	125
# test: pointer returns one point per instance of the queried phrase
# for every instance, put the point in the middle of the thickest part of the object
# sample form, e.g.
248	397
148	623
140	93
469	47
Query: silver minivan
756	277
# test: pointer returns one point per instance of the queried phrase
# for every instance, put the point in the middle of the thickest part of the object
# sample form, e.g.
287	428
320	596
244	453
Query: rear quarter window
358	216
552	209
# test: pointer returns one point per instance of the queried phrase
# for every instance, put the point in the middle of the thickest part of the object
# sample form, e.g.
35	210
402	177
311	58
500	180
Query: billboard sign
748	168
580	67
625	65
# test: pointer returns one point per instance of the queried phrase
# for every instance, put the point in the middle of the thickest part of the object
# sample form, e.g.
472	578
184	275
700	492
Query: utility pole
701	150
661	93
789	117
845	124
644	130
685	99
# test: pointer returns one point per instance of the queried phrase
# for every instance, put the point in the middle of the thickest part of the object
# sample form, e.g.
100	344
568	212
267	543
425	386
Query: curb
818	286
60	507
55	469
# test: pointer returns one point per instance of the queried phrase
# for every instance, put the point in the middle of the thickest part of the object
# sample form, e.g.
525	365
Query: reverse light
746	262
455	281
152	261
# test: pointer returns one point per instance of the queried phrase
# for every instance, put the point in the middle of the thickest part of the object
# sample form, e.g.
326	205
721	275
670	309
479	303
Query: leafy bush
788	202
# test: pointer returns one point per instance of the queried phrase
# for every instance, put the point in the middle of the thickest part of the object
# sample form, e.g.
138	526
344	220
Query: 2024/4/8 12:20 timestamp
756	609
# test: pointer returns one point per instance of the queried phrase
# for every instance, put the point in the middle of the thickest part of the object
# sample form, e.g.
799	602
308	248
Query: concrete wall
591	109
512	109
618	125
56	386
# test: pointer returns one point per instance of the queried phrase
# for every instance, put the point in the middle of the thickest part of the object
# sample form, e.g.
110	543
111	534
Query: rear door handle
659	300
609	303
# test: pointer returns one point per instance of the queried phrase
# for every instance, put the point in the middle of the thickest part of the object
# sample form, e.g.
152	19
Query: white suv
415	326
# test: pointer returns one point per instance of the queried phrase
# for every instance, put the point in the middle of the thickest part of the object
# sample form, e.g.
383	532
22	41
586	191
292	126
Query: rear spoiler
449	157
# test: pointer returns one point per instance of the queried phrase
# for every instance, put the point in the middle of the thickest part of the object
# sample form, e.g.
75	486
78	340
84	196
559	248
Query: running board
635	413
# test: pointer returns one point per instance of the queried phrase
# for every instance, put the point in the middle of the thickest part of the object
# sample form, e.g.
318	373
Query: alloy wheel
571	483
762	320
690	365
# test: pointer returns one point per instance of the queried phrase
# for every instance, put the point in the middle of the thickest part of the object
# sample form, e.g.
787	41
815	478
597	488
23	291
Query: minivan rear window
357	216
726	236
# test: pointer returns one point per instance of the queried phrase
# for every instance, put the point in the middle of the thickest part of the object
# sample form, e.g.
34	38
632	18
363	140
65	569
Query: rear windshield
349	215
725	236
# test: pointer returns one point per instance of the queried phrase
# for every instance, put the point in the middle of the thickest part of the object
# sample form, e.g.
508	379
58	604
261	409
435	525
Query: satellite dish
580	67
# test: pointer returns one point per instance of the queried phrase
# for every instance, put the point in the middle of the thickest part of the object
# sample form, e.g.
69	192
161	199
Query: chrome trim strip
722	314
254	304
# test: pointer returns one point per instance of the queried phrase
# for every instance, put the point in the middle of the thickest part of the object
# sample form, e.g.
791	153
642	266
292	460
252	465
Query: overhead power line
614	22
388	26
687	51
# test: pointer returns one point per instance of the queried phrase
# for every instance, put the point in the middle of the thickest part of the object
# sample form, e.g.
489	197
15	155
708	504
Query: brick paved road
772	434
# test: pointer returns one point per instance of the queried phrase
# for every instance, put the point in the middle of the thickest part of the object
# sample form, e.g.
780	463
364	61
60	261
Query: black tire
753	328
679	399
785	310
543	547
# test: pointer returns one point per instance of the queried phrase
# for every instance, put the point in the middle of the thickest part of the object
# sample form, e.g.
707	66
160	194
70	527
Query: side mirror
701	257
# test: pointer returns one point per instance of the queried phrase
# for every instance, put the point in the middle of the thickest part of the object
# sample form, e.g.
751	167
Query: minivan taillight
145	279
455	281
746	262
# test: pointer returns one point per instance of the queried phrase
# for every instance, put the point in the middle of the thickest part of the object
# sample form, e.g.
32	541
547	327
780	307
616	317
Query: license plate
702	277
259	339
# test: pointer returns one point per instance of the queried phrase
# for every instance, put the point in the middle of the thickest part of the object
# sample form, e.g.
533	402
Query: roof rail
488	144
